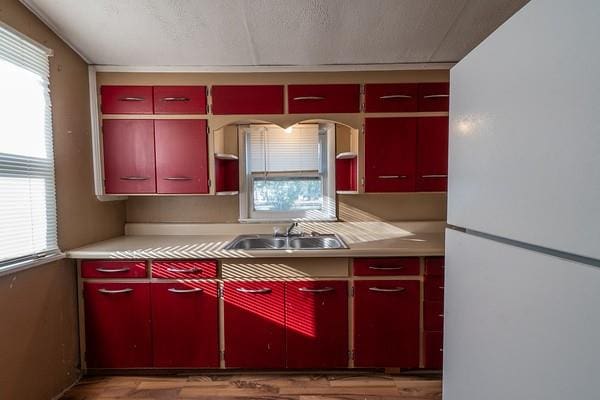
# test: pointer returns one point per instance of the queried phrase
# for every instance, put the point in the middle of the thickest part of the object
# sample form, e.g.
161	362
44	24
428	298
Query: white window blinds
27	192
273	149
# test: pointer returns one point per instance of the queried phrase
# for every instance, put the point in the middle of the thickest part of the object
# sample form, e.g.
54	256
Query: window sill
23	265
284	220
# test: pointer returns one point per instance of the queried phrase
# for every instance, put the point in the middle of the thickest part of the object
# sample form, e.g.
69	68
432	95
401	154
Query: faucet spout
290	228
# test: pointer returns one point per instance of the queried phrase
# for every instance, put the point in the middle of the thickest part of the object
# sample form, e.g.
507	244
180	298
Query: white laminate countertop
372	239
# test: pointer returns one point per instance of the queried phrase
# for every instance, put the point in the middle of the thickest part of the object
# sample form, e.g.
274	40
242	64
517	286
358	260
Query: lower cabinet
254	324
316	324
386	323
117	325
433	344
184	324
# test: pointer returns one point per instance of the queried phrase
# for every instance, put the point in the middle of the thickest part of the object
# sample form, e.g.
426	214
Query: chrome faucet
290	228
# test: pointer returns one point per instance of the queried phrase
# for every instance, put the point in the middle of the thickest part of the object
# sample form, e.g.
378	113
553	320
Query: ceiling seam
452	25
249	35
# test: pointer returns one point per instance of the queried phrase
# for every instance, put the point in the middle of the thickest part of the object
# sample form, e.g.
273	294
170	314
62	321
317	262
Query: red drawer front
391	97
185	325
305	99
264	99
433	343
345	174
113	269
434	96
184	269
434	288
434	266
386	266
126	99
433	314
180	99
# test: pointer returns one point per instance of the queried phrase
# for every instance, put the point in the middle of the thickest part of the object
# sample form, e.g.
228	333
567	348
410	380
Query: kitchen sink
293	242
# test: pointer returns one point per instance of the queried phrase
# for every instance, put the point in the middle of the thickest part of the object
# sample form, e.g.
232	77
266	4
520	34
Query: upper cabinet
153	99
126	99
179	99
434	96
245	100
391	97
306	99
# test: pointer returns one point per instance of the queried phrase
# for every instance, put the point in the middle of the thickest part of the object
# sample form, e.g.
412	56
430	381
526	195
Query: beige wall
38	307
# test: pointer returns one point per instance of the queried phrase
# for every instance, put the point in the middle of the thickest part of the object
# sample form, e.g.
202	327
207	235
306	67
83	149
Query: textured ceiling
273	32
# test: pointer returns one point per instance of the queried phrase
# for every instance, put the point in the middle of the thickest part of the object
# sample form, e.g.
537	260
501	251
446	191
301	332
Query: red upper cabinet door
307	99
117	325
434	96
390	154
128	147
126	99
185	325
113	269
386	324
391	97
254	324
316	324
249	99
179	99
181	156
432	154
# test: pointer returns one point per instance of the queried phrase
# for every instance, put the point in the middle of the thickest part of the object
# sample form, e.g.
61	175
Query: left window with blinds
27	190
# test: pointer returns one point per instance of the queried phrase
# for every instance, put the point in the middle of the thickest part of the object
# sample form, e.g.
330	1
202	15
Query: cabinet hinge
362	181
209	183
219	290
208	108
222	355
352	291
207	91
207	129
362	88
362	129
351	354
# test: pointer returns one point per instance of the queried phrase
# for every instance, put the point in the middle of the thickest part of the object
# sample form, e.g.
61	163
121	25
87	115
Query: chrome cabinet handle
441	287
193	290
392	176
256	291
131	99
110	291
175	99
135	178
384	268
113	270
185	270
378	289
178	178
395	96
434	176
436	96
300	98
441	315
320	290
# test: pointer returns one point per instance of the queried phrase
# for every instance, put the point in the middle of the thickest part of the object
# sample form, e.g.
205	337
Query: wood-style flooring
356	386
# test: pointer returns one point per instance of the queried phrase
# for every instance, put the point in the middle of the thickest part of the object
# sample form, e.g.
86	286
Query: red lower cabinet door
128	147
117	325
434	349
390	154
181	156
185	325
254	324
386	324
316	324
432	154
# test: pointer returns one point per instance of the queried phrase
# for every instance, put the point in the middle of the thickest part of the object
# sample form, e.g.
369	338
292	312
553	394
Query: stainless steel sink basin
270	242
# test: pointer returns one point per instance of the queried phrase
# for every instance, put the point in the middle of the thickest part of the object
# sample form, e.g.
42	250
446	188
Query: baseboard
65	390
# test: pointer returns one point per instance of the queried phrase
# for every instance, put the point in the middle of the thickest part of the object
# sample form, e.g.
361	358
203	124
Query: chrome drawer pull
178	178
135	178
113	270
309	98
255	291
384	268
434	176
109	291
184	270
436	96
392	176
320	290
193	290
441	287
395	96
175	99
131	99
441	315
396	289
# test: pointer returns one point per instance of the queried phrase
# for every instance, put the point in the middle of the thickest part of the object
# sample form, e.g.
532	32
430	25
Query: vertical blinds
273	149
27	192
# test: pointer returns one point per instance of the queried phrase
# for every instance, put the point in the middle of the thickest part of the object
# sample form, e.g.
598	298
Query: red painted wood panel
316	324
434	288
434	96
390	154
126	99
434	266
254	324
432	154
113	269
227	175
185	324
345	174
181	156
179	99
128	147
386	323
433	343
386	266
433	315
184	269
247	99
306	99
117	325
391	97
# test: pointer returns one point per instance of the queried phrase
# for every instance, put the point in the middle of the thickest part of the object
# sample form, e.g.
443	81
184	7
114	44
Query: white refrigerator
522	298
